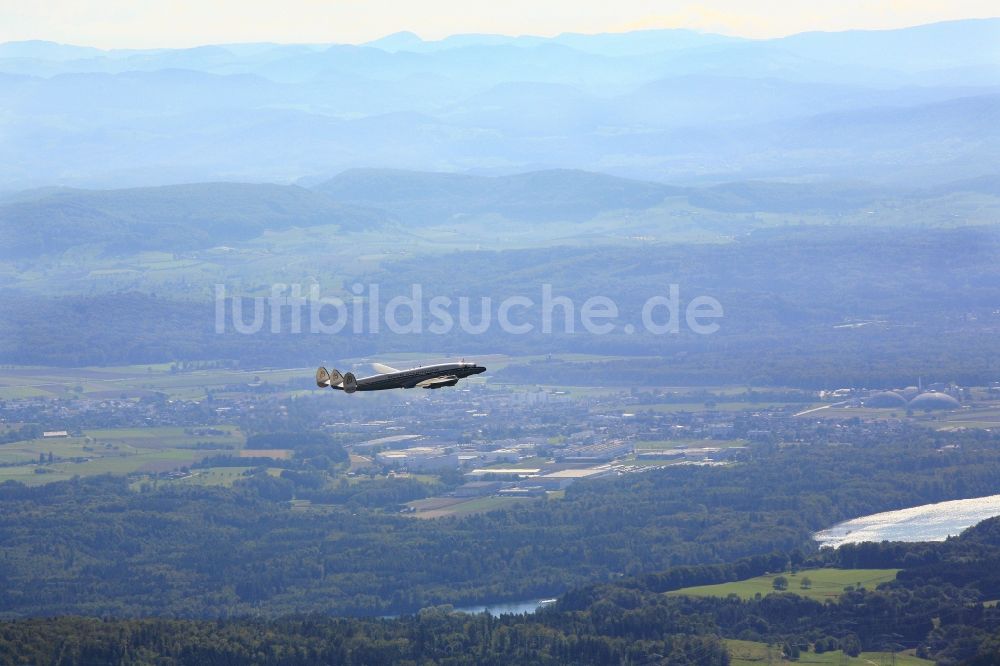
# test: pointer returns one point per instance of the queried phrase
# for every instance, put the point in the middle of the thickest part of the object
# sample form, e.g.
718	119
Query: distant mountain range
916	105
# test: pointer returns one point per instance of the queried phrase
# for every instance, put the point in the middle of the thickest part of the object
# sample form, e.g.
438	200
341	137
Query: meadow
446	508
749	653
113	451
825	584
126	382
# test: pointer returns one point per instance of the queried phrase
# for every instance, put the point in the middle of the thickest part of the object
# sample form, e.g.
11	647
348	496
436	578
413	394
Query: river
928	522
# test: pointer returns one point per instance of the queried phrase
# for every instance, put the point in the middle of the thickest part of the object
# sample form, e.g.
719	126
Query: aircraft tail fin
350	383
325	378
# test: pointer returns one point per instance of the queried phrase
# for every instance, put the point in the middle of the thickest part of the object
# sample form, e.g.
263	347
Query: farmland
113	451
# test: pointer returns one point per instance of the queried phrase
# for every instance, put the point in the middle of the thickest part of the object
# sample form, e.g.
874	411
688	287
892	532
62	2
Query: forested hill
423	197
559	194
167	218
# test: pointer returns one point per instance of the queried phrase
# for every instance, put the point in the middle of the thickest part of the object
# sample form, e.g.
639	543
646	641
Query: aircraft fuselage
427	376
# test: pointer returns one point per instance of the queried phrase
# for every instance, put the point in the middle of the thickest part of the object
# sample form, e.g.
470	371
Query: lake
928	522
509	608
496	610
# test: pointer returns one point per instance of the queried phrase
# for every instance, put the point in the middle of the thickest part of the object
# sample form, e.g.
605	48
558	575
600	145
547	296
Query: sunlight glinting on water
928	522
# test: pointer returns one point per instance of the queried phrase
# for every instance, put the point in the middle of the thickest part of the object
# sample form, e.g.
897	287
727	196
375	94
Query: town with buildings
507	442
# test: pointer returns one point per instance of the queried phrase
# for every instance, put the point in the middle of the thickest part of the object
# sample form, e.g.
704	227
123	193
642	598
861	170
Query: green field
152	461
113	451
28	476
125	382
826	583
981	416
483	504
464	508
749	653
214	476
863	413
168	436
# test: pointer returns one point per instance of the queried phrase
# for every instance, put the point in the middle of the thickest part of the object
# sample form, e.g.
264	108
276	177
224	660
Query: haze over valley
729	293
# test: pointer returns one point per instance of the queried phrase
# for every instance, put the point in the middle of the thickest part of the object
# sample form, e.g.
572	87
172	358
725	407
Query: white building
418	458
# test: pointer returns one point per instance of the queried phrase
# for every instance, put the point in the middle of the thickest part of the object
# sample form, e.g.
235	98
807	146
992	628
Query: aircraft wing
384	369
438	382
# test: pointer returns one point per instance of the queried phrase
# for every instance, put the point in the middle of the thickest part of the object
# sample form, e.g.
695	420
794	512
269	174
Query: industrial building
561	479
418	459
597	453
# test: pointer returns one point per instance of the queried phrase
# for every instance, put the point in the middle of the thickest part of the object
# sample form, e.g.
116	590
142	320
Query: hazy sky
152	23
